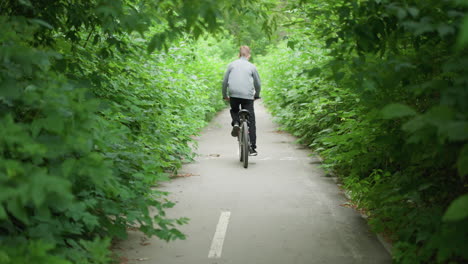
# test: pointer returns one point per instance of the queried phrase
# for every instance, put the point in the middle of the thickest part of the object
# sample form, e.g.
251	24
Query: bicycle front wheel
245	144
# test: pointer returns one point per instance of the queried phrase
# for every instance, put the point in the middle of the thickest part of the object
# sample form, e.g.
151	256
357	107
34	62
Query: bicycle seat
244	112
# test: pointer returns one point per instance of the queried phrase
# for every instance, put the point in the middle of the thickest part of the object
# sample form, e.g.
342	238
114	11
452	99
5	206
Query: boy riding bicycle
243	83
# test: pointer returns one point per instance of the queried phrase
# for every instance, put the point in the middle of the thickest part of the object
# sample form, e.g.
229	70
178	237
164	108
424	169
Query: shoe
253	152
235	130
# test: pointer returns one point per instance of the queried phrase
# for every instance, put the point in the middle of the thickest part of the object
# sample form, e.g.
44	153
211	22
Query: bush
87	131
381	95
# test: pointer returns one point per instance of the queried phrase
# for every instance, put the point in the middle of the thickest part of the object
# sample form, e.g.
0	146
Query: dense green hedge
90	122
379	89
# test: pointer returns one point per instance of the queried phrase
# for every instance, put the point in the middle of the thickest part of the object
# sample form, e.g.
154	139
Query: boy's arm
257	83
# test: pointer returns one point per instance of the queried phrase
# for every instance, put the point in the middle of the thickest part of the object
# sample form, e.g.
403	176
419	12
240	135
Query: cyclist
242	82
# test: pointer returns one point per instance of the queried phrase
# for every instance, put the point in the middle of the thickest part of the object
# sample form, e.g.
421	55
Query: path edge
387	245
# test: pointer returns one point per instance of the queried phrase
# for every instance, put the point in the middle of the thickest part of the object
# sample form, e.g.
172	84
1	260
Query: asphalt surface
282	209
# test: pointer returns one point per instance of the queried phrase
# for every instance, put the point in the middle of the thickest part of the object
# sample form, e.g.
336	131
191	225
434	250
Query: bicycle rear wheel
241	149
245	144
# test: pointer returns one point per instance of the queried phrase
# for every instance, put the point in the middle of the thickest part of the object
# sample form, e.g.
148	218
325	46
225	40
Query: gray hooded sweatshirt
242	80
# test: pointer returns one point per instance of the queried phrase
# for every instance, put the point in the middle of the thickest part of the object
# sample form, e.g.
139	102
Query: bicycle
243	137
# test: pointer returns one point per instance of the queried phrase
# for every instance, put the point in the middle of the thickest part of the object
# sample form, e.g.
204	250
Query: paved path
280	210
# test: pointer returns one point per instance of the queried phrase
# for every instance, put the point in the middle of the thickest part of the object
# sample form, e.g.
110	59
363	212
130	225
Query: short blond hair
244	51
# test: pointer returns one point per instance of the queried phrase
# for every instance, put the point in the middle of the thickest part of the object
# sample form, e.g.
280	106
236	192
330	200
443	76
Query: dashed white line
220	234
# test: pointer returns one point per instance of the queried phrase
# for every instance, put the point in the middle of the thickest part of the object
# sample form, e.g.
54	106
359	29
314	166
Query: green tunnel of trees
100	100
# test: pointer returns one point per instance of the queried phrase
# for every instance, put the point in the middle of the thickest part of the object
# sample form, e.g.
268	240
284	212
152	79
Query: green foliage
91	122
378	88
397	110
29	252
458	210
253	26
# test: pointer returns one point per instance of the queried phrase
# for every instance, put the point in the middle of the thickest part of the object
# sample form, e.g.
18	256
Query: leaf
401	13
330	41
463	35
445	30
41	22
3	214
457	131
339	76
458	210
4	257
291	44
440	116
26	3
396	110
10	89
413	11
312	72
462	162
156	42
17	210
54	123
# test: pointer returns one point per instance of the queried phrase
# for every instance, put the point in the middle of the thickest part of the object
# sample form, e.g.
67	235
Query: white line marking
220	234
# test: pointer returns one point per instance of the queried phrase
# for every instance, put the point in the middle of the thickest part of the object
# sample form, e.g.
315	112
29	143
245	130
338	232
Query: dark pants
248	105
